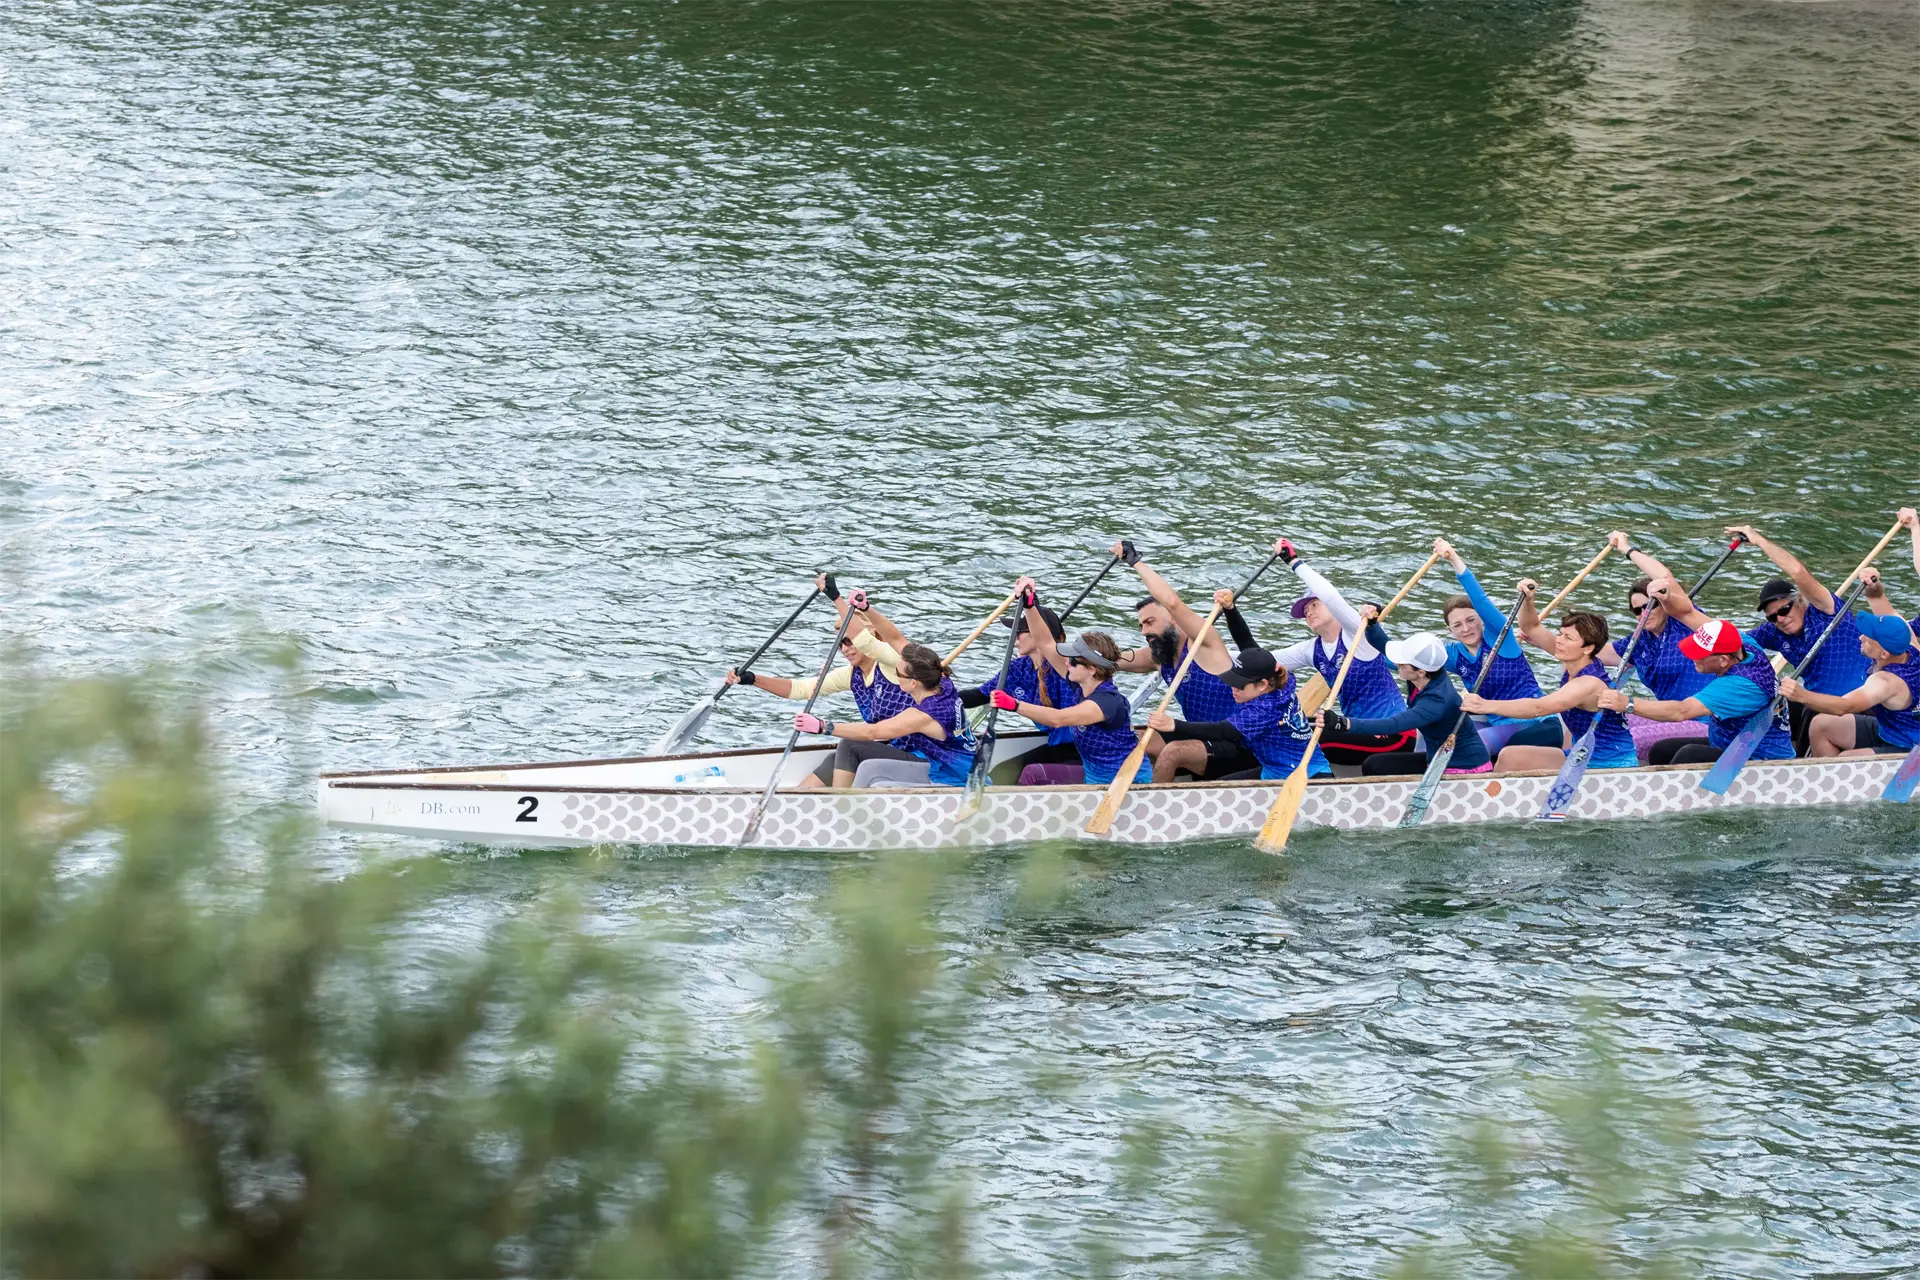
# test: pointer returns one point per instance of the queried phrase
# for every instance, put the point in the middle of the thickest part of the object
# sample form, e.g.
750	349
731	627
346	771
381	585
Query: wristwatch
1629	704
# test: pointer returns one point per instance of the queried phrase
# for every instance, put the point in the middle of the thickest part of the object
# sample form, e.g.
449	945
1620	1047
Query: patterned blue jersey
1203	696
1841	667
1668	673
1104	747
880	698
1511	678
1277	733
1370	690
1902	728
1023	683
1613	742
1778	742
950	760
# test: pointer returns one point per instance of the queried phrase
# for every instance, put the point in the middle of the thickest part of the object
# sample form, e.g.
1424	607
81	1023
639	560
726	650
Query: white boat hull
636	802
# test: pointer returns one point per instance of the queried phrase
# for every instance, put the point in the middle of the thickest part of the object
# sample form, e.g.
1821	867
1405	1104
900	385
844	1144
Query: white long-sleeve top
1299	656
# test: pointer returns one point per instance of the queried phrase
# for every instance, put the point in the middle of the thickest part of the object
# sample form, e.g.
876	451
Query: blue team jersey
1203	696
1371	689
1024	684
1612	742
1841	667
1277	733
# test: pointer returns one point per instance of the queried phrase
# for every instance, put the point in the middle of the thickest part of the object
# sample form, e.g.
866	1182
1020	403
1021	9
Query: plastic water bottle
701	778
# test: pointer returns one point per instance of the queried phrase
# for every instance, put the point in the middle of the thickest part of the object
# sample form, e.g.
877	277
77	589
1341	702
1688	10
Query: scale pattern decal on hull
926	819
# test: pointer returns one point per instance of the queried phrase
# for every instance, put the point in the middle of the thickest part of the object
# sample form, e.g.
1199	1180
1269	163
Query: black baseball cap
1251	667
1051	618
1776	589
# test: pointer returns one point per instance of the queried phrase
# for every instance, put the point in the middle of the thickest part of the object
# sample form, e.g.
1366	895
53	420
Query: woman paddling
926	744
1433	710
1583	682
872	675
1337	626
1036	677
1265	722
1668	673
1100	718
1469	618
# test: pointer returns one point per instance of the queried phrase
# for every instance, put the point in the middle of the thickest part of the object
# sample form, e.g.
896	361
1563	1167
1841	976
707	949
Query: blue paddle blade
1900	786
1735	757
1565	787
1429	783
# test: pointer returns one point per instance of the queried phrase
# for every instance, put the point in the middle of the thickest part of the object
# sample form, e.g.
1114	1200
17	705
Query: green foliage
217	1061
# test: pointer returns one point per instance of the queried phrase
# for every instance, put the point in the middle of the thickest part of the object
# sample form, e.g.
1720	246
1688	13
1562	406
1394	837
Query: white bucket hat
1422	649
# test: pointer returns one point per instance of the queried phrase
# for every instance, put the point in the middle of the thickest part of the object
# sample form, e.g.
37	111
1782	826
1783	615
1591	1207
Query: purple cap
1299	610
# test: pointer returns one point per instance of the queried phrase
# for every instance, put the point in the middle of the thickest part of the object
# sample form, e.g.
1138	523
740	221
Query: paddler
1265	722
1583	682
1035	677
1741	682
871	675
1882	716
1668	673
1169	627
1423	660
1797	612
1370	691
1470	617
925	745
1100	717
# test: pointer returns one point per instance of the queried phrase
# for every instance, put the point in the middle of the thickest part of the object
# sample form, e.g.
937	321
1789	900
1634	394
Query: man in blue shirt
1798	611
1743	683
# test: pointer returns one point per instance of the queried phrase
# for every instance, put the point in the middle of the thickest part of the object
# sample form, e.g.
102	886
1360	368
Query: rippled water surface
524	359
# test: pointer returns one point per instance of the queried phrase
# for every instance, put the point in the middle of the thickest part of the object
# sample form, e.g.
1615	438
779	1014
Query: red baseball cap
1718	636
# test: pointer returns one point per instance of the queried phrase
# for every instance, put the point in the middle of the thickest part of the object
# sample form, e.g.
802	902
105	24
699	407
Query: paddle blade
1900	786
1429	783
684	730
1565	787
1286	806
1735	757
977	778
1144	694
1102	820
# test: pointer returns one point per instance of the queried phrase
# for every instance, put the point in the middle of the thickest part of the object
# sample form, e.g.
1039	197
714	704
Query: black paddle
854	604
689	725
983	754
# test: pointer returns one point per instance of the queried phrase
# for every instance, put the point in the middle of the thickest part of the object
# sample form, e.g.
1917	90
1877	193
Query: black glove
1287	554
1336	723
1030	599
833	588
744	677
1129	553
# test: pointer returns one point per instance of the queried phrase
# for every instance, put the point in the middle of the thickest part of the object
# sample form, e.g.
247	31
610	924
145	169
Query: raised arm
1789	564
1910	518
1620	542
1345	614
1493	619
1528	625
1044	645
1672	597
1192	625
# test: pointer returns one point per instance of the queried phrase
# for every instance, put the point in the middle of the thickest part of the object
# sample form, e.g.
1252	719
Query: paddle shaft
1485	668
1286	806
983	757
777	633
826	665
976	633
1872	555
1416	811
1578	578
1088	589
1102	820
1741	749
1626	654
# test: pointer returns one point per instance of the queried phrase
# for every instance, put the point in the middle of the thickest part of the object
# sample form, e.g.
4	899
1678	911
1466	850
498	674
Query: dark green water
526	358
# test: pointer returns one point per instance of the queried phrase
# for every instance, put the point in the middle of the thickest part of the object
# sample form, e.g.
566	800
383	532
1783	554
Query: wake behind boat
683	801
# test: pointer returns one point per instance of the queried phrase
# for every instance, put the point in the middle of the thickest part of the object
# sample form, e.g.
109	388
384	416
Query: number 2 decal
528	805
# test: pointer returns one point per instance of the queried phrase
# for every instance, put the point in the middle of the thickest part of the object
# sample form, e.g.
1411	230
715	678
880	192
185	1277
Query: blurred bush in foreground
217	1062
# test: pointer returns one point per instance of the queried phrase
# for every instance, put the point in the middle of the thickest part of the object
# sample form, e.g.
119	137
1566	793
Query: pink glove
807	722
1005	701
858	599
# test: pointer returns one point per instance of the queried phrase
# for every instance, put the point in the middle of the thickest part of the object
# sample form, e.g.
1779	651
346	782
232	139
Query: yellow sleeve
838	680
872	646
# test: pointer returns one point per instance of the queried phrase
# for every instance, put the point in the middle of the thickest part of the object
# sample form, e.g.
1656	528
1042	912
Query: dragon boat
706	798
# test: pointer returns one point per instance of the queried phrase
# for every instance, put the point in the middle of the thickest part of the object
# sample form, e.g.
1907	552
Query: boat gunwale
590	789
729	752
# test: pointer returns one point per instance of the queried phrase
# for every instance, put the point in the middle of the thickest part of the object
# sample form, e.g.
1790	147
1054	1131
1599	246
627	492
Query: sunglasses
1776	615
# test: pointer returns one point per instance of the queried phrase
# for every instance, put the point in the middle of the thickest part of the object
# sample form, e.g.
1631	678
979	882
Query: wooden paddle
978	631
1286	806
1102	820
1578	578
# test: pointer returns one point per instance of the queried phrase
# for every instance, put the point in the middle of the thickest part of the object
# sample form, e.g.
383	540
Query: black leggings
1394	764
1694	751
850	755
1664	751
